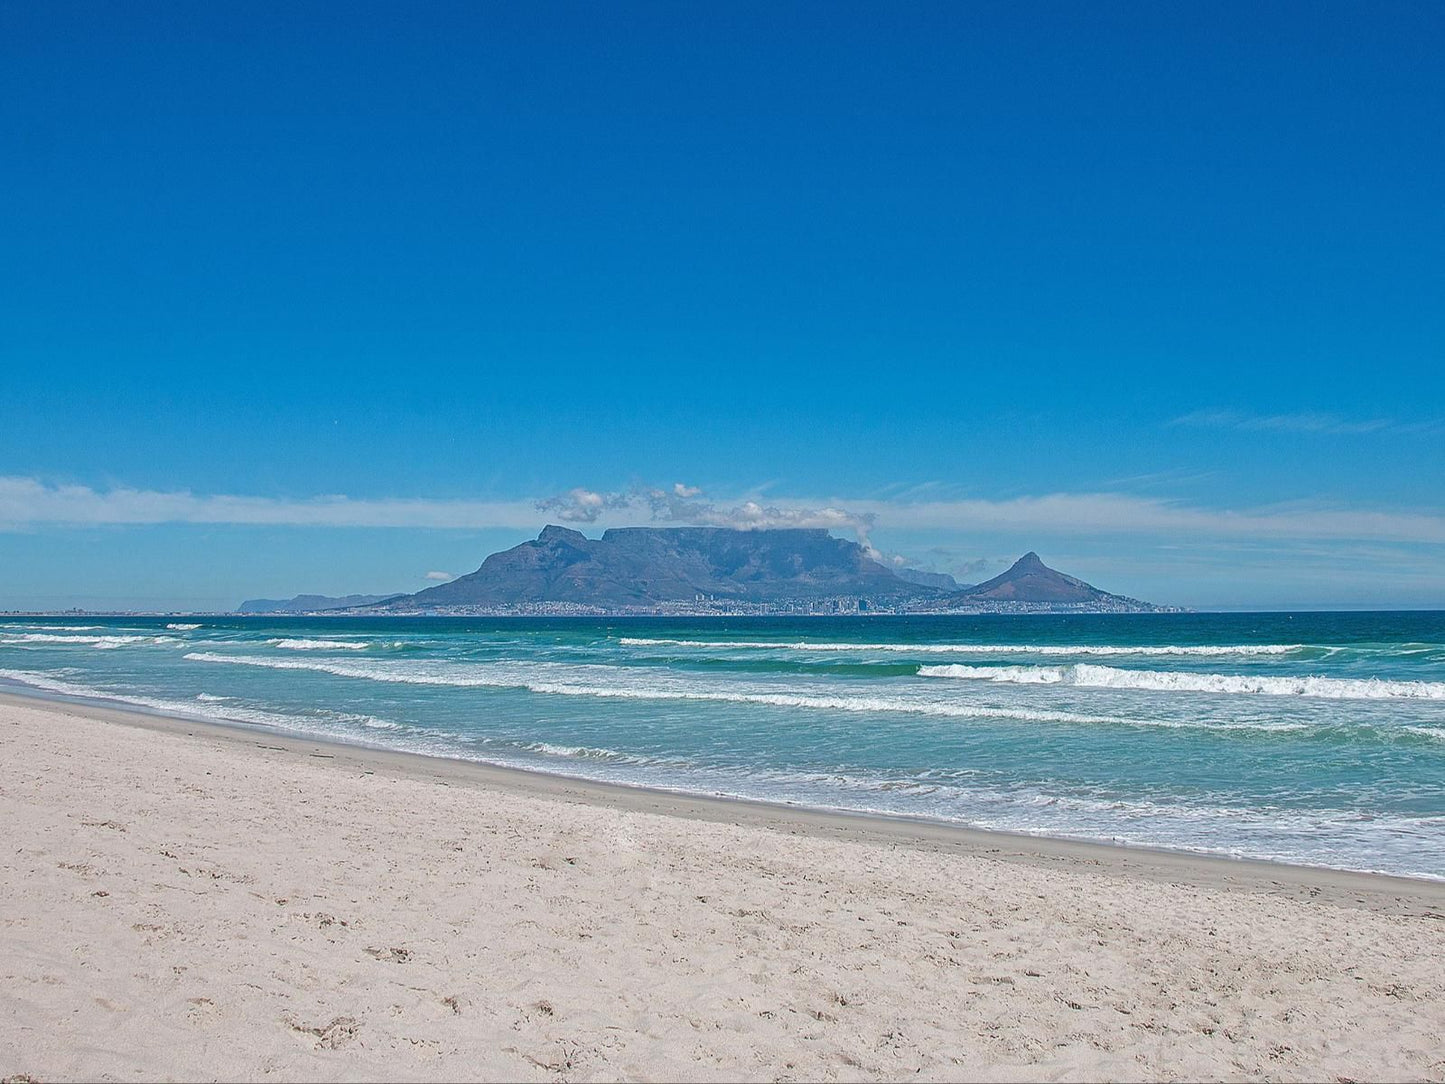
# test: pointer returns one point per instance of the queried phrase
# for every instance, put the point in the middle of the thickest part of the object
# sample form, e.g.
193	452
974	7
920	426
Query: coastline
1377	890
196	901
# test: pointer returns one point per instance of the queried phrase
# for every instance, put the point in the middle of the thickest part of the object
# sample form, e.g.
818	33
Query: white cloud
27	502
1303	422
685	505
1122	514
441	577
752	515
583	505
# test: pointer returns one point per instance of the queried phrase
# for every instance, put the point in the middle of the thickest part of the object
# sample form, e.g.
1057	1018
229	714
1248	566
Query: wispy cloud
1304	422
682	503
1177	477
1122	514
686	504
441	577
583	505
28	503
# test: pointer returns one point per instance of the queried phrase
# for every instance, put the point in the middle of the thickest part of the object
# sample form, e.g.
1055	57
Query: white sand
234	906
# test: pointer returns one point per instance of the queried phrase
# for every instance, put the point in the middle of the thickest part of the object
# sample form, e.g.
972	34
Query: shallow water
1315	738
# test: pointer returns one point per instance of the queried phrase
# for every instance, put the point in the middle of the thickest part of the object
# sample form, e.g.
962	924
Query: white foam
1111	677
1063	650
102	642
172	707
193	708
534	678
320	645
619	683
370	721
182	628
57	628
1347	838
1013	675
581	752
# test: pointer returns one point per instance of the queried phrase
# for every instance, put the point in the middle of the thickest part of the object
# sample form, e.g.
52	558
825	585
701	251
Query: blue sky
292	300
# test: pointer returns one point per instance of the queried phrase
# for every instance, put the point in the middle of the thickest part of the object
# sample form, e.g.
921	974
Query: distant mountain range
308	604
702	570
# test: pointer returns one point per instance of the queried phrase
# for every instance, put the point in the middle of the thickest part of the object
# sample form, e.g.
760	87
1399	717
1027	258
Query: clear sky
320	297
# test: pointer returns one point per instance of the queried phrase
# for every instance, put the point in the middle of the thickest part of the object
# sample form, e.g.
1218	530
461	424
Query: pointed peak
1028	561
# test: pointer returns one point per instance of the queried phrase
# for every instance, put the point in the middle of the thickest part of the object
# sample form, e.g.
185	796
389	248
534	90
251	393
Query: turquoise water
1311	738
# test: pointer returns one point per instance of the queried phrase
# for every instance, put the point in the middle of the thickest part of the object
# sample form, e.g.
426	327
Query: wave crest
101	642
614	683
319	645
1111	677
1062	650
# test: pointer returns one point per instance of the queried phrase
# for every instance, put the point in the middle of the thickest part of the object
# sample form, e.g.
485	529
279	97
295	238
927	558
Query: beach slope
186	901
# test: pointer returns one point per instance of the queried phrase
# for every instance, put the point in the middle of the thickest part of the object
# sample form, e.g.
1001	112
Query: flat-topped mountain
633	567
701	570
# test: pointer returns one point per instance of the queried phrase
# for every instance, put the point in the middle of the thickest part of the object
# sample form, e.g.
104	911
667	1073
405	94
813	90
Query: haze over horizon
303	303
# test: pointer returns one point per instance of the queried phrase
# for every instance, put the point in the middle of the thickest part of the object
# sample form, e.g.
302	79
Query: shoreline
189	900
1379	891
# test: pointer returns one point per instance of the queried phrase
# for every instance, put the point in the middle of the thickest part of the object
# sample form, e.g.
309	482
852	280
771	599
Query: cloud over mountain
26	503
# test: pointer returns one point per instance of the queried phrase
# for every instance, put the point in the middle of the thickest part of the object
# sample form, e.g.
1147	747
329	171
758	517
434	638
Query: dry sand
187	901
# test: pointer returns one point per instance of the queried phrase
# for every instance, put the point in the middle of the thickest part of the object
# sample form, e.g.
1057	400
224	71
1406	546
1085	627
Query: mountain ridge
301	604
700	570
716	570
645	566
1028	581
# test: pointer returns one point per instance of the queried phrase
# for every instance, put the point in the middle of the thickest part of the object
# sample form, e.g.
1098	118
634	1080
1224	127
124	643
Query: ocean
1314	738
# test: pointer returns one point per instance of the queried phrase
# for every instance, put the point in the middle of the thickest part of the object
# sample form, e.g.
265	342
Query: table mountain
710	570
634	567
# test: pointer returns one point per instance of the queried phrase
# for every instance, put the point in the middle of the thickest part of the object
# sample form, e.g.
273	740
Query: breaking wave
320	645
101	642
59	628
1111	677
1160	732
584	752
973	649
613	683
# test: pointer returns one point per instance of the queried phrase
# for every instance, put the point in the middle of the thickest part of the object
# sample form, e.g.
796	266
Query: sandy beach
187	901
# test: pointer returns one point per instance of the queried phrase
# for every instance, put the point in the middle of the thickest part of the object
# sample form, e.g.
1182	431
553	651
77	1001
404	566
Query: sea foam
1063	650
205	706
319	645
57	628
620	683
101	642
1112	677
